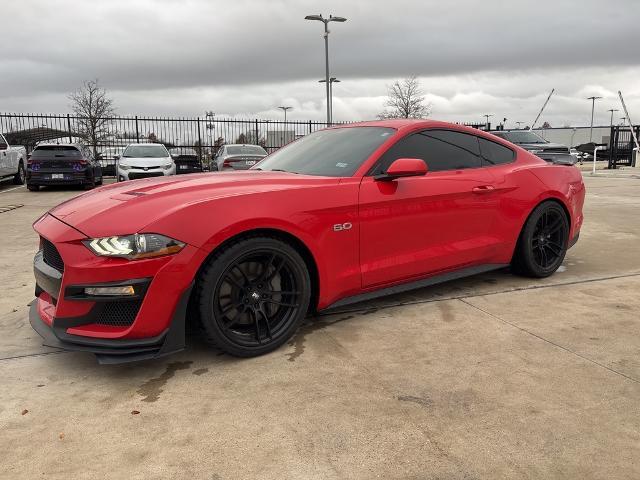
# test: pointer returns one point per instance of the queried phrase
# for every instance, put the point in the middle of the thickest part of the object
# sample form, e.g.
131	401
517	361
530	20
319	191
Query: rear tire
543	241
33	188
20	176
252	296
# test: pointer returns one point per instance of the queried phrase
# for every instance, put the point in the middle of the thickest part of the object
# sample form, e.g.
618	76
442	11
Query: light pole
593	104
210	126
326	21
284	109
612	110
332	80
487	115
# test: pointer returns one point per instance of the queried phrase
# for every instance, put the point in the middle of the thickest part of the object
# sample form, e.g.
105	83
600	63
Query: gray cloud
170	56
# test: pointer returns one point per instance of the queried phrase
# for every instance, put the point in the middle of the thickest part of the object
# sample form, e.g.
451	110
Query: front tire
253	295
543	241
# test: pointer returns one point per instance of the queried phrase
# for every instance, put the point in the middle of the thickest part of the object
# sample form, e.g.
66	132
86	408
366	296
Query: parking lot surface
492	376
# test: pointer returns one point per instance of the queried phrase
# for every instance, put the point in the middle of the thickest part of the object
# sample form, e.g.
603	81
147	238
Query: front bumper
114	351
557	158
138	173
117	329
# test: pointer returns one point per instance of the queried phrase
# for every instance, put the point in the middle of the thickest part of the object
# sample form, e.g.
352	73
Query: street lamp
284	109
612	110
487	115
332	80
593	104
326	21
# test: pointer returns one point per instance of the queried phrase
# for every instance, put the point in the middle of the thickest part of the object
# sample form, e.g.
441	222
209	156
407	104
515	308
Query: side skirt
424	282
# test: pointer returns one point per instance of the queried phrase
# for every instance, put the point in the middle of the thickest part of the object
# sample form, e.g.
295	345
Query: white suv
142	160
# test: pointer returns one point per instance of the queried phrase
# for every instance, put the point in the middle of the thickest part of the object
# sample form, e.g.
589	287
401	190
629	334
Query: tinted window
336	152
494	154
521	136
440	149
49	151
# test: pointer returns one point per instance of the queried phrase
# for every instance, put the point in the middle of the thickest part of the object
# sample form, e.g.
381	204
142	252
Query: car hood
144	161
541	146
127	207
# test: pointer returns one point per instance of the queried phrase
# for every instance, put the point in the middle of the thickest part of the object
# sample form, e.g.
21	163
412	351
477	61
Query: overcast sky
245	57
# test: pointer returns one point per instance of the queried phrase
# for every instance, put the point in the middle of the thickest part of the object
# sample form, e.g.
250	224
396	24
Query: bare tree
405	100
93	107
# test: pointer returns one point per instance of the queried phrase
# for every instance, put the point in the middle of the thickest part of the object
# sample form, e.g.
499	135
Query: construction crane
542	109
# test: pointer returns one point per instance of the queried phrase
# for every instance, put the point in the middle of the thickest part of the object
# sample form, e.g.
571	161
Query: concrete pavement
493	376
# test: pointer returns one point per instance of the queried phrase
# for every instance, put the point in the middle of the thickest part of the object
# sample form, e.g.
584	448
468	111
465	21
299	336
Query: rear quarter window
493	153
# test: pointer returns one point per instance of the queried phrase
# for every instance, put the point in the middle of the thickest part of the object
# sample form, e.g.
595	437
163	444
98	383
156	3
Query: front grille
118	314
51	256
137	175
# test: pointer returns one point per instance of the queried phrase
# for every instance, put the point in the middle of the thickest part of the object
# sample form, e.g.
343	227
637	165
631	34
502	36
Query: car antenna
542	109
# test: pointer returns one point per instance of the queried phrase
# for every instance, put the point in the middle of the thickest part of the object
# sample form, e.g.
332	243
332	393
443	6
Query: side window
494	153
440	149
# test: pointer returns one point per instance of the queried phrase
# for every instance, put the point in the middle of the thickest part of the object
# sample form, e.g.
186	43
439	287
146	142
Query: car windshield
147	151
245	150
336	152
520	137
183	151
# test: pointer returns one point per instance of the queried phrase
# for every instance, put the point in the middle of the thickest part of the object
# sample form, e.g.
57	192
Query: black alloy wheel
253	296
543	242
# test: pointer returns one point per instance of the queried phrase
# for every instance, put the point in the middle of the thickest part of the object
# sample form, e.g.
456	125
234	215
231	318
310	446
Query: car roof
146	144
77	145
403	124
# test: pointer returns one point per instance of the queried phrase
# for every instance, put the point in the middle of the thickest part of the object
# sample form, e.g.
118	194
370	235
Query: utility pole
593	104
612	110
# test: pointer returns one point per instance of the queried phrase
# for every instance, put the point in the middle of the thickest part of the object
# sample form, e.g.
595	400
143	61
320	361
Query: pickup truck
13	160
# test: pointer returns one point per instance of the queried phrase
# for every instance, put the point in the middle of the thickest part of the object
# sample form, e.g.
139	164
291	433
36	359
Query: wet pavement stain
424	401
447	315
297	342
152	388
200	371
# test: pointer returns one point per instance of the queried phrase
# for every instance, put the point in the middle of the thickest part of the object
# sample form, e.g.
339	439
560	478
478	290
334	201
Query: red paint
402	229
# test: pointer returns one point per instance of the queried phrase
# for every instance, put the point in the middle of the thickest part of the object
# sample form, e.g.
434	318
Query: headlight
536	151
143	245
124	167
167	166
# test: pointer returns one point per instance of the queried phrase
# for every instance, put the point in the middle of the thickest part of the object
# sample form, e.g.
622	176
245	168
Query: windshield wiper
281	170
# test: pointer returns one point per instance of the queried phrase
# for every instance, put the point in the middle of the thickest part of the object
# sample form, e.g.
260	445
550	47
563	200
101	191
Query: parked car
186	160
339	216
62	164
12	162
143	160
551	152
238	157
108	158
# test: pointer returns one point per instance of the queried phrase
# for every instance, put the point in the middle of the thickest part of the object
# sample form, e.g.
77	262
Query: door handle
483	189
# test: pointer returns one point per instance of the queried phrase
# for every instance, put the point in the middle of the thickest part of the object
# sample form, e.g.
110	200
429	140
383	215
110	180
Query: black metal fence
109	136
621	146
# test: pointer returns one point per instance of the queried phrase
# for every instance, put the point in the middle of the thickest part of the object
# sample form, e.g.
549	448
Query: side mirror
3	146
404	167
116	157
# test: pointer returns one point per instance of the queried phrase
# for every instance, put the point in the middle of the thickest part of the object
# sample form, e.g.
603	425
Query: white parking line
12	189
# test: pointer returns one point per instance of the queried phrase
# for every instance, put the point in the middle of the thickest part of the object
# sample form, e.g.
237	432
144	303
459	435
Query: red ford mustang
339	216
